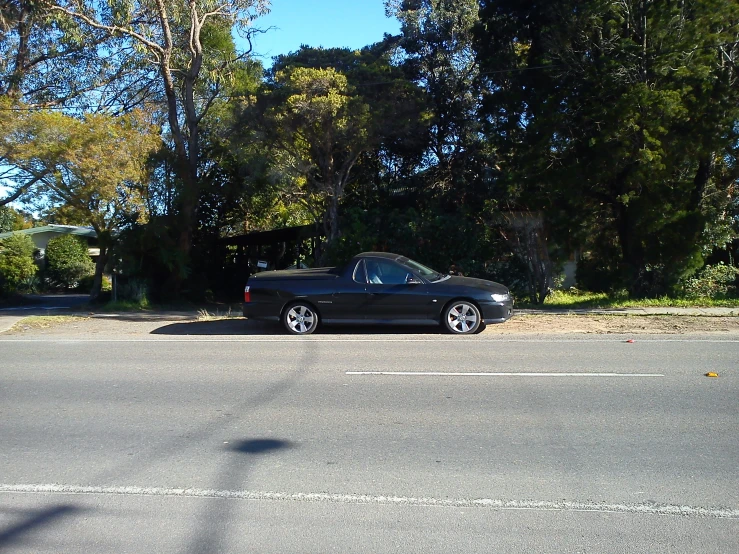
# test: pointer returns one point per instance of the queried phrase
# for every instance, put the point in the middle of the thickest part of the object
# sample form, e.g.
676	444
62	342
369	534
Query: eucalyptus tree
48	62
191	53
620	118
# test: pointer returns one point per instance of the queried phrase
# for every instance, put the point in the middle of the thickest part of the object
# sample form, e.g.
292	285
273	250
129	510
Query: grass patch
562	299
44	321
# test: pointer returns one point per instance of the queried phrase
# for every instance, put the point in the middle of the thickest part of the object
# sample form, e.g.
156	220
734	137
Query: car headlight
501	297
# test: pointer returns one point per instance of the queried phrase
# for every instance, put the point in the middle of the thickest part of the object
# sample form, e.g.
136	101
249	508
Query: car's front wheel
300	319
462	318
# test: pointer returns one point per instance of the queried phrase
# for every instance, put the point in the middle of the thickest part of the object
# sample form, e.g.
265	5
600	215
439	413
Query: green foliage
7	219
85	284
616	124
597	126
127	305
92	165
67	261
133	290
17	266
575	299
10	220
436	43
319	128
712	281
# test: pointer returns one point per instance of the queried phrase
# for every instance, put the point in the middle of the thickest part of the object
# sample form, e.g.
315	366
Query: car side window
360	273
382	272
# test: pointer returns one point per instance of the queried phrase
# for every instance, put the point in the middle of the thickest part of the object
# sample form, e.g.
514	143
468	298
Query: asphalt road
317	444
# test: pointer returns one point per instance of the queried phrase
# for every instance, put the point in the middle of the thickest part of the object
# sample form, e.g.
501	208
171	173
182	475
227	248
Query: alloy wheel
300	319
462	317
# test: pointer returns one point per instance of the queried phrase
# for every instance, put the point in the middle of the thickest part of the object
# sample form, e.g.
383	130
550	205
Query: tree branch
112	29
21	190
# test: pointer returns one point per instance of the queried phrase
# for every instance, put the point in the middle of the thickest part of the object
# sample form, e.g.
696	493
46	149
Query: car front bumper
496	312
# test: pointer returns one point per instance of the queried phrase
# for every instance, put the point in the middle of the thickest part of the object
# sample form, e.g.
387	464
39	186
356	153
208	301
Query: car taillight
247	294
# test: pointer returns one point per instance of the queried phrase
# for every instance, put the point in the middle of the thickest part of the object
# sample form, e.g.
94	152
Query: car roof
388	255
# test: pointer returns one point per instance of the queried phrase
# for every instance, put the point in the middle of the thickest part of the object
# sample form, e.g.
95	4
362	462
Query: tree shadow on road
33	519
213	522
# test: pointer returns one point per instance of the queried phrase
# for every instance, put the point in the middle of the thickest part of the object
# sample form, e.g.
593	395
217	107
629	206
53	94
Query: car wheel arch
444	320
294	301
457	299
300	317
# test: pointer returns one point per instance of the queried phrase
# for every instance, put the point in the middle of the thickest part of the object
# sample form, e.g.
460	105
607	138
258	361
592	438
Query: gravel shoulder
183	324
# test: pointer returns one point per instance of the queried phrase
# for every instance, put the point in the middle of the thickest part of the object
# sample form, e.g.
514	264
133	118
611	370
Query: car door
348	297
390	297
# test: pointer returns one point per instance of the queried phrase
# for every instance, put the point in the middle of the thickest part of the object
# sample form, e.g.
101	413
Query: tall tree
594	110
436	51
191	68
46	61
319	126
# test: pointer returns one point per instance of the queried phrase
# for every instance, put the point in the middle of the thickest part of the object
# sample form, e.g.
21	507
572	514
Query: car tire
462	317
300	318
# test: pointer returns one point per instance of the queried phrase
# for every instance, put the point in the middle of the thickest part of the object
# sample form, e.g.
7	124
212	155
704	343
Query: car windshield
422	270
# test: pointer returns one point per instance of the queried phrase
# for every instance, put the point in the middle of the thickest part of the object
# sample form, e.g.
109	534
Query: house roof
60	229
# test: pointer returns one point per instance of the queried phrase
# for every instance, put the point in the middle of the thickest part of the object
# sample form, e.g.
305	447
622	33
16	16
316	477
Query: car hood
480	284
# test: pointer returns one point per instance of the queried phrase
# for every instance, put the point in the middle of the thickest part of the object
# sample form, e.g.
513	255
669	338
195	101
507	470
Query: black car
375	287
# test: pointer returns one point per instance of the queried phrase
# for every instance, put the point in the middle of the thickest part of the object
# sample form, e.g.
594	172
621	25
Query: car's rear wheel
300	318
462	318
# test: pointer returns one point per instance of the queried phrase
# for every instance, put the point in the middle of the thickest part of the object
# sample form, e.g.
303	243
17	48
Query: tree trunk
21	58
632	258
333	219
700	181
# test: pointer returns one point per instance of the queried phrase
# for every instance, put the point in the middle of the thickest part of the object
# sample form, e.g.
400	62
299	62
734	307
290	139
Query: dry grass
34	322
205	315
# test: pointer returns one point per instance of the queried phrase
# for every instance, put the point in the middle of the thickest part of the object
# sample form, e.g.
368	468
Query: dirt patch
528	324
616	324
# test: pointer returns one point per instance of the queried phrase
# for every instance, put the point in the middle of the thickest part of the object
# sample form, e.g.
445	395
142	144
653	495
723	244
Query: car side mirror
410	279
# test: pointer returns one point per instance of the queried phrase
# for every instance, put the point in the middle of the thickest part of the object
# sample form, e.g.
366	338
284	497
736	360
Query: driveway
39	304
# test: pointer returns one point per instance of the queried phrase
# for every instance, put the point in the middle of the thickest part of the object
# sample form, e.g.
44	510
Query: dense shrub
17	266
713	281
67	262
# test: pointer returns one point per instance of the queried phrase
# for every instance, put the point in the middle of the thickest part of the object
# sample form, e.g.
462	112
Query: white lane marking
502	374
286	339
565	506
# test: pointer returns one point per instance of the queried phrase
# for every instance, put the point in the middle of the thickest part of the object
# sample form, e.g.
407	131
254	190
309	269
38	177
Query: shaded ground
183	325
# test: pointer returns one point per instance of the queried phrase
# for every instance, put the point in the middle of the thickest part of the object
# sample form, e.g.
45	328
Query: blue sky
327	23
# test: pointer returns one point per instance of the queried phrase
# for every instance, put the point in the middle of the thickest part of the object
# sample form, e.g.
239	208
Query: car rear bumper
496	312
260	310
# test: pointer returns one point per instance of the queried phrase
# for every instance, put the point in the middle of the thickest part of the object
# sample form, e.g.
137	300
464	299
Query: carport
278	248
